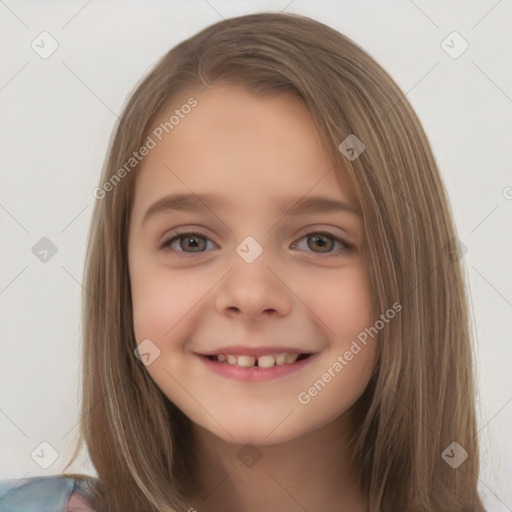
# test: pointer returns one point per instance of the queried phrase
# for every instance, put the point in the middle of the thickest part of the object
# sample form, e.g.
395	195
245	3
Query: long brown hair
422	397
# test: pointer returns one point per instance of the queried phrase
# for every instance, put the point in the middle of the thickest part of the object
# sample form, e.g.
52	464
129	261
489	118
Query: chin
256	433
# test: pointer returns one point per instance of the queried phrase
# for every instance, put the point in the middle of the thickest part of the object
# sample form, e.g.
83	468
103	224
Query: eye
197	243
194	241
325	242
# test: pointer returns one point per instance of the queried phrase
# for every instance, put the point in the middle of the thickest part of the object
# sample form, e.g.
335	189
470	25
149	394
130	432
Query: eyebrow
196	203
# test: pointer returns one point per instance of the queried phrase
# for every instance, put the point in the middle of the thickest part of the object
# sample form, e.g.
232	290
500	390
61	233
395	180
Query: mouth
264	361
256	369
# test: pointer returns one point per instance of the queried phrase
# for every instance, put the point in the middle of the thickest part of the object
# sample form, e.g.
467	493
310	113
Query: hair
422	396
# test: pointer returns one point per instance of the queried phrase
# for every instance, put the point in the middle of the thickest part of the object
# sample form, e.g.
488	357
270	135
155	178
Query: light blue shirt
36	494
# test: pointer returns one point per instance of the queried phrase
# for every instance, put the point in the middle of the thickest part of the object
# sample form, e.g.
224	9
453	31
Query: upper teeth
266	361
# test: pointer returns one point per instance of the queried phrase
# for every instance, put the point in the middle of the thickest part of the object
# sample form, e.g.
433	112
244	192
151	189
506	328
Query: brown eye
324	243
193	241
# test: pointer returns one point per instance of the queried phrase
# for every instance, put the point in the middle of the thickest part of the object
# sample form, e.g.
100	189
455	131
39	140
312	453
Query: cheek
343	304
153	304
345	310
164	301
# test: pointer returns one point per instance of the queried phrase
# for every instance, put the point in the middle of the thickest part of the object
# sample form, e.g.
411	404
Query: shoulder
55	493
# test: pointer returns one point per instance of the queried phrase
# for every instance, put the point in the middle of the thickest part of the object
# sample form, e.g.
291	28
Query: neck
313	472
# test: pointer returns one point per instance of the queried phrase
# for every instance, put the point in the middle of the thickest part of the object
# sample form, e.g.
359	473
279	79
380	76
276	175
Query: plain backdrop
56	118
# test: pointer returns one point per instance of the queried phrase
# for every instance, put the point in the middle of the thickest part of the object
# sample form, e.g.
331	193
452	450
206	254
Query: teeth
265	361
280	359
245	361
291	358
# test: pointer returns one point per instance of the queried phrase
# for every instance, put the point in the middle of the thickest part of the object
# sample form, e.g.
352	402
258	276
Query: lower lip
254	374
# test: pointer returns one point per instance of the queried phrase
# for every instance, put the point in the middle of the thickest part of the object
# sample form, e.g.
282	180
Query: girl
275	314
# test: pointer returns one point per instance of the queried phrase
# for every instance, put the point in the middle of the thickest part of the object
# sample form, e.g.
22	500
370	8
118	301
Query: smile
263	361
256	369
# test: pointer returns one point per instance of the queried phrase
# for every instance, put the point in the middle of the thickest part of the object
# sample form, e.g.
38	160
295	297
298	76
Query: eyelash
347	248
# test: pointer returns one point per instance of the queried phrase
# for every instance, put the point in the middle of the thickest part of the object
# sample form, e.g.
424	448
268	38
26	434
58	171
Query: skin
260	153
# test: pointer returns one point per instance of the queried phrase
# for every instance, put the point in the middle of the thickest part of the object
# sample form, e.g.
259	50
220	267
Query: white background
56	117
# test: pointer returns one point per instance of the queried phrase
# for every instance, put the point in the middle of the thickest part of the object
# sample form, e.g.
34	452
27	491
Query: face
242	268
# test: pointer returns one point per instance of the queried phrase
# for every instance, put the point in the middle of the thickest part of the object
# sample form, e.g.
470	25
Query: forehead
238	144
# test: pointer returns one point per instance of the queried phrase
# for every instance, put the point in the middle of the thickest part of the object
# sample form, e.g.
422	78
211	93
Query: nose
254	290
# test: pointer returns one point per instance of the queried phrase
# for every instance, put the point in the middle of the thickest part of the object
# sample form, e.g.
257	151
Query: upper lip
255	351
